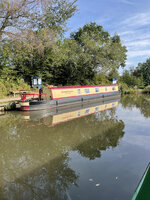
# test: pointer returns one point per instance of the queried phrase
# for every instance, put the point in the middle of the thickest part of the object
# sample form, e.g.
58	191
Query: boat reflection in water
64	114
35	152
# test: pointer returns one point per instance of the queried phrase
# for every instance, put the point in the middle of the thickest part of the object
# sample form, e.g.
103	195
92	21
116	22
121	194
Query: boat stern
25	105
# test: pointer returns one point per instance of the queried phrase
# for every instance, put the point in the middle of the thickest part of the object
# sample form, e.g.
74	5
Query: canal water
94	151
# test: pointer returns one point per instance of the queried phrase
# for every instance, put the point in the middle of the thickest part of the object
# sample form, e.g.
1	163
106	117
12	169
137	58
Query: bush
123	87
10	82
101	80
147	89
6	87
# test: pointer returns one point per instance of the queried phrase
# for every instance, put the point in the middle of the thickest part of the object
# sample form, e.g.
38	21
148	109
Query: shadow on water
34	154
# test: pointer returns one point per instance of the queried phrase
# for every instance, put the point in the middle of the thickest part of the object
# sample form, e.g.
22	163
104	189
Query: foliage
143	69
106	53
131	80
84	57
71	65
142	102
101	79
10	82
34	45
34	15
147	89
64	62
58	14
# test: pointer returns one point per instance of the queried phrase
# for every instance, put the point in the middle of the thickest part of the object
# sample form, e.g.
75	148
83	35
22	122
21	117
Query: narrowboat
143	190
67	95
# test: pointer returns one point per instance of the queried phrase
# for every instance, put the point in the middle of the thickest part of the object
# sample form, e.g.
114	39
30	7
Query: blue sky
128	18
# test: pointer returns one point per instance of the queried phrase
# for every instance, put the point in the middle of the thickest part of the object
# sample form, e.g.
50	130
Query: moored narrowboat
60	96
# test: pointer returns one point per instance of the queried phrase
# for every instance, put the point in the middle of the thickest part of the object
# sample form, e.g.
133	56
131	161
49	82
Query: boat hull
45	104
142	192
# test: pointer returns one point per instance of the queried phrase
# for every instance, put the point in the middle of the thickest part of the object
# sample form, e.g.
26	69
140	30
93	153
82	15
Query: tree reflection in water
50	181
92	148
34	157
142	102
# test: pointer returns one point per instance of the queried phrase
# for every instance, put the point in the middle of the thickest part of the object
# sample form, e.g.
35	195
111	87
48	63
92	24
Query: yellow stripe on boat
63	117
76	91
24	103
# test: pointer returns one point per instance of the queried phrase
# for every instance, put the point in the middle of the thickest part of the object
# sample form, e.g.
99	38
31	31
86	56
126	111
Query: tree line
33	42
138	78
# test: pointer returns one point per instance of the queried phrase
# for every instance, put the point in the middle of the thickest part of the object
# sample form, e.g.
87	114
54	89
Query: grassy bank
125	89
7	87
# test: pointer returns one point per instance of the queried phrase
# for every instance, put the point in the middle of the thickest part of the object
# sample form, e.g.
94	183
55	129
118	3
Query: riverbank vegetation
138	79
33	42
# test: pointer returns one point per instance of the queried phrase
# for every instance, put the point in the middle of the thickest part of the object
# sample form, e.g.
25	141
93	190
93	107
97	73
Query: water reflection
49	181
142	102
92	148
34	150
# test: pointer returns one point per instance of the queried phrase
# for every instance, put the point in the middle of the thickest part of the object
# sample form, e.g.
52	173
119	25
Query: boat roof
86	86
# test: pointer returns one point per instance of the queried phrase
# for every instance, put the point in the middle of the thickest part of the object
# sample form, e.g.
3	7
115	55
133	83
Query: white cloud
139	43
140	140
135	35
127	2
129	63
138	20
138	53
126	32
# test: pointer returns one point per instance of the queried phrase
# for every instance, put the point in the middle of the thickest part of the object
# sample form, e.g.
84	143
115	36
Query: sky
128	18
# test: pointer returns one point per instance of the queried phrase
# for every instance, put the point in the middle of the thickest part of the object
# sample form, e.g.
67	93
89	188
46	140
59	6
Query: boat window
96	89
79	92
105	89
113	88
79	113
96	109
87	90
86	111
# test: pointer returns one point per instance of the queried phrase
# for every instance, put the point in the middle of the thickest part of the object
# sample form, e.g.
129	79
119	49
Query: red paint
84	95
52	94
24	108
86	86
23	97
34	94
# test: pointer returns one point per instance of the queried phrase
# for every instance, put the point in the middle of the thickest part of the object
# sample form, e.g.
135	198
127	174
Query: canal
95	151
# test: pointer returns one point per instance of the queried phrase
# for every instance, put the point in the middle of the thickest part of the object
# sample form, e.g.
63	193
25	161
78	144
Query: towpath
9	99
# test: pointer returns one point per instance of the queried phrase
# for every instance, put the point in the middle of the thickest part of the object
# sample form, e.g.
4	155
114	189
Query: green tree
143	69
71	65
106	52
34	45
129	78
19	15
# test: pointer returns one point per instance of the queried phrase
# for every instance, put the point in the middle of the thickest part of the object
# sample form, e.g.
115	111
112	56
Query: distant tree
143	69
130	79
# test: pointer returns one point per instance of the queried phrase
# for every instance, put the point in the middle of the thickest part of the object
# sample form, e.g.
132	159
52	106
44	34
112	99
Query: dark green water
91	156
